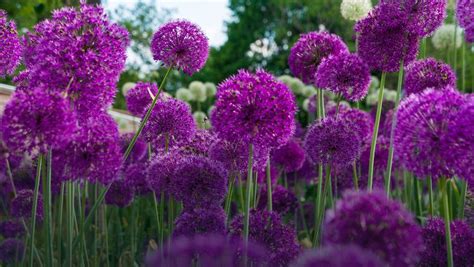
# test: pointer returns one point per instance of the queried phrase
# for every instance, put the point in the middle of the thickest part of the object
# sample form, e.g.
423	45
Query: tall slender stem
10	175
447	221
48	221
35	207
248	195
376	132
462	200
229	197
463	65
70	221
355	177
416	195
59	229
430	196
319	196
269	187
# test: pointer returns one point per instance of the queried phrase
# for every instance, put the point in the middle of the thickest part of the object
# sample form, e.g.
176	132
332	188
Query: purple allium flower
210	250
307	172
11	251
267	229
139	151
384	40
234	156
140	97
332	141
376	223
22	205
361	121
161	171
199	182
428	73
10	46
344	74
120	193
255	108
424	16
462	238
136	175
200	221
290	157
283	200
423	124
171	118
459	147
24	176
35	121
11	229
93	154
79	53
465	17
199	144
339	256
310	49
182	45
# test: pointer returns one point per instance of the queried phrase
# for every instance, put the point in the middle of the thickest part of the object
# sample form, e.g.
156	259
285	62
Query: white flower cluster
443	37
355	9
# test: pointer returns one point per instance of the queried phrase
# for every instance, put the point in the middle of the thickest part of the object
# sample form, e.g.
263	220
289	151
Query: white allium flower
306	104
297	86
201	119
198	90
286	79
443	37
355	9
374	83
210	89
309	91
127	86
388	95
184	94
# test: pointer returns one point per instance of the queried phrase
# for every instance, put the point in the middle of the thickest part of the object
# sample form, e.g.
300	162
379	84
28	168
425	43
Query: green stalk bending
35	207
248	195
269	187
447	222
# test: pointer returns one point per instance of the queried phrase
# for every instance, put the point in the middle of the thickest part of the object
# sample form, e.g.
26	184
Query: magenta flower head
376	223
11	251
339	256
35	121
310	49
423	124
82	64
361	121
465	17
289	157
210	250
462	239
254	108
140	97
10	46
200	221
283	200
344	74
136	176
94	154
170	119
268	230
424	16
428	73
139	151
22	205
182	45
384	40
199	182
332	141
199	144
11	228
161	171
120	193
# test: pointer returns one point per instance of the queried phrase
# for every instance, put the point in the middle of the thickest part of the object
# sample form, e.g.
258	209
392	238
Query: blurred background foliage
260	34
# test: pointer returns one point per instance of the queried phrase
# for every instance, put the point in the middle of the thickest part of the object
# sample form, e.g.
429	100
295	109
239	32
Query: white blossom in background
443	37
184	94
210	89
355	9
127	86
198	90
201	120
309	91
306	104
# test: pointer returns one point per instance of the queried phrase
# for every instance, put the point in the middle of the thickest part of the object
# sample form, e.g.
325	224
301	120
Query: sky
208	14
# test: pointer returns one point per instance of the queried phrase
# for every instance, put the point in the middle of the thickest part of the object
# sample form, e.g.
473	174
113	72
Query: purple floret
140	97
428	73
120	194
11	229
10	46
283	200
22	205
200	221
289	157
11	251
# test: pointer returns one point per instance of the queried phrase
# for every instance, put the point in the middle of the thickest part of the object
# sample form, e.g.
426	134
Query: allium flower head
199	144
376	223
339	256
384	40
171	118
423	123
184	94
182	45
267	229
428	73
82	64
11	228
11	251
199	182
344	74
10	46
283	200
254	108
200	221
35	121
444	37
140	97
332	141
161	171
308	52
465	17
120	193
139	151
355	9
210	250
198	89
136	176
22	205
360	121
211	89
462	239
94	153
289	157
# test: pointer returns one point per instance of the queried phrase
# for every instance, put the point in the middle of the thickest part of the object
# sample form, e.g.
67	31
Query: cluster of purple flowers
10	45
465	17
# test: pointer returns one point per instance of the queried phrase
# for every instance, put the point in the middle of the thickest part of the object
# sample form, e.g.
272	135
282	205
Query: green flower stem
59	228
269	187
447	221
430	196
106	233
423	48
462	200
248	195
463	65
241	192
133	241
48	221
376	131
416	192
355	177
230	195
35	207
158	222
70	222
254	189
10	176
